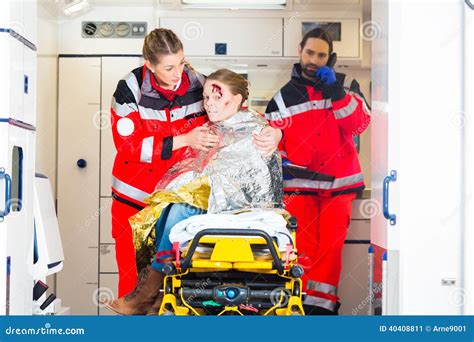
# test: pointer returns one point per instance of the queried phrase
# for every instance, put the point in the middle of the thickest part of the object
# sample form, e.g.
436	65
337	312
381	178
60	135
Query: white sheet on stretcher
269	221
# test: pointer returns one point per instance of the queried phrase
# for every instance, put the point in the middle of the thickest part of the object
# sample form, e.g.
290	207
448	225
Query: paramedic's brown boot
155	308
142	298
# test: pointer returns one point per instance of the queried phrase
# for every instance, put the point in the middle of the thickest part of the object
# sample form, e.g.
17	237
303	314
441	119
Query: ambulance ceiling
72	8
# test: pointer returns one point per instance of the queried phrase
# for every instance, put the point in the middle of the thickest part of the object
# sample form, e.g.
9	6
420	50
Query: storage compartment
16	71
228	36
107	258
365	209
106	221
113	70
353	291
315	3
359	230
345	32
108	290
29	86
78	182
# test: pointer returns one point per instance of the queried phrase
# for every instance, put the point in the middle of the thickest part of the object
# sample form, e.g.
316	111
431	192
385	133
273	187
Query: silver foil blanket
239	176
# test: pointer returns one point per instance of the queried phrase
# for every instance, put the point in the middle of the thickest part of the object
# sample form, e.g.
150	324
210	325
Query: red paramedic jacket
318	124
145	118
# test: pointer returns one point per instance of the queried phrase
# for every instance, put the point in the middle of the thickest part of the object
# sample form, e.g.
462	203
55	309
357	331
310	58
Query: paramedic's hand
201	138
267	141
326	75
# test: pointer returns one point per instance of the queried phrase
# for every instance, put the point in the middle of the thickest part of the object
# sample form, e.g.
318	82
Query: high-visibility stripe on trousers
320	236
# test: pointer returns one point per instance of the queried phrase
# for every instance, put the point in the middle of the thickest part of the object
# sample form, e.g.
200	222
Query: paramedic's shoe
142	298
310	310
155	308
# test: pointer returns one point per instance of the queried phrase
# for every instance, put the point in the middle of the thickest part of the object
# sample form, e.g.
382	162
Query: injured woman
234	184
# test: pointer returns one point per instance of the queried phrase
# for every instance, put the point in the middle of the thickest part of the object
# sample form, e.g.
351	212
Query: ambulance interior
409	249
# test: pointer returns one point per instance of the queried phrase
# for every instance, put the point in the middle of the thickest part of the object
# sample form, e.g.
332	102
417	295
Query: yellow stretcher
242	273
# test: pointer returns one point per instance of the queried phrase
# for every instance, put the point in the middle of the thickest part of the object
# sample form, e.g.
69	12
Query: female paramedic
156	110
234	175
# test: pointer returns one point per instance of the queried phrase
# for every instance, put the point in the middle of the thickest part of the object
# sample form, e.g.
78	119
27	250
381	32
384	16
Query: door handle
386	184
8	193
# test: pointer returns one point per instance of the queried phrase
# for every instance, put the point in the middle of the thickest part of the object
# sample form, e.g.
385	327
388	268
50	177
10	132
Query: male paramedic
319	112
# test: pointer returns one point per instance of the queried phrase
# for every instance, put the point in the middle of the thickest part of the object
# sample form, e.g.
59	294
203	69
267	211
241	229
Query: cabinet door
359	230
78	182
347	45
353	290
105	223
242	36
107	258
3	224
113	70
17	80
425	240
29	86
16	228
108	290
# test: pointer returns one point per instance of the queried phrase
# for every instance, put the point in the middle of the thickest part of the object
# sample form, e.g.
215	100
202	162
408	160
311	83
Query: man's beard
309	73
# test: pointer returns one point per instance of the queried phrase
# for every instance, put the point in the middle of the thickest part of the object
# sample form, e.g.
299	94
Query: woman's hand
267	141
201	138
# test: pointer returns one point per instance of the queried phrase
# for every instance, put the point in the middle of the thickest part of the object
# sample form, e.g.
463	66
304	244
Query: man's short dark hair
317	33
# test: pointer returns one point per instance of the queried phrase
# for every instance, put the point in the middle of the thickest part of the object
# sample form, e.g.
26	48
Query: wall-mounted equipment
110	29
332	28
345	33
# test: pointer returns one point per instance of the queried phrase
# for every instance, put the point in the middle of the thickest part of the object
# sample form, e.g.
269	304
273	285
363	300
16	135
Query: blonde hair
237	83
160	42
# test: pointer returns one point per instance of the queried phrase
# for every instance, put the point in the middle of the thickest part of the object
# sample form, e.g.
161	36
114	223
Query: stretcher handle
187	261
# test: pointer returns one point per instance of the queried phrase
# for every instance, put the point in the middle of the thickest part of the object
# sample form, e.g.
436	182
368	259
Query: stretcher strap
248	308
169	255
160	256
176	254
